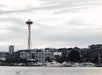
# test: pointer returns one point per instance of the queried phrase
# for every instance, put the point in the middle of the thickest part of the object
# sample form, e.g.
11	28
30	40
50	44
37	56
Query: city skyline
57	23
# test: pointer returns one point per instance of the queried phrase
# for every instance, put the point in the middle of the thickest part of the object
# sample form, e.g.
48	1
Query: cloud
60	6
57	23
72	6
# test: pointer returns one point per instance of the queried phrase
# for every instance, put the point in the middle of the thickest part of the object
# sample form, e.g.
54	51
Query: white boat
77	65
54	64
66	64
89	65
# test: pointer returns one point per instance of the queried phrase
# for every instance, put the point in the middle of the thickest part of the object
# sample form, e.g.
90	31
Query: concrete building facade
11	49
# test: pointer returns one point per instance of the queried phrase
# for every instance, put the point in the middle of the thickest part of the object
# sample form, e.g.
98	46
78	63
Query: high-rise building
11	49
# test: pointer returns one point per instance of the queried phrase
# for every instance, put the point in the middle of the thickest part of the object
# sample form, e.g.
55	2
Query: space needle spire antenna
29	22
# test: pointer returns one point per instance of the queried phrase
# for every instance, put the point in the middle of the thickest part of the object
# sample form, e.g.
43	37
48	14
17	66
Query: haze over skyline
57	23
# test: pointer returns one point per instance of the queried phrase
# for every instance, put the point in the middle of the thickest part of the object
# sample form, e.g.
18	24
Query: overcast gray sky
57	23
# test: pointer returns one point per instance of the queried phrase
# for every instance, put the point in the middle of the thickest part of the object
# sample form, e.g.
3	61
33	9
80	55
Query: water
50	70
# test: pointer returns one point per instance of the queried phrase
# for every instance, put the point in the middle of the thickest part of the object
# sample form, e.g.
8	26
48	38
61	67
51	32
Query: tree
48	59
74	56
59	59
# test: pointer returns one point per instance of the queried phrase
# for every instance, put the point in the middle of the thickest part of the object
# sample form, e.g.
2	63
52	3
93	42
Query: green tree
59	59
74	56
48	59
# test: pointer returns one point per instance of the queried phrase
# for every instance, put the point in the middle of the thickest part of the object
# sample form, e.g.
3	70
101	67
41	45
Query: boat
88	64
66	64
77	65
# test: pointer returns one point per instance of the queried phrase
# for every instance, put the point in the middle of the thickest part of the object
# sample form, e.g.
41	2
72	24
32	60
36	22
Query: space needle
29	22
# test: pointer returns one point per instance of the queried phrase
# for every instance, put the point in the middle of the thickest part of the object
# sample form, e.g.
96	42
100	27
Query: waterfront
4	70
